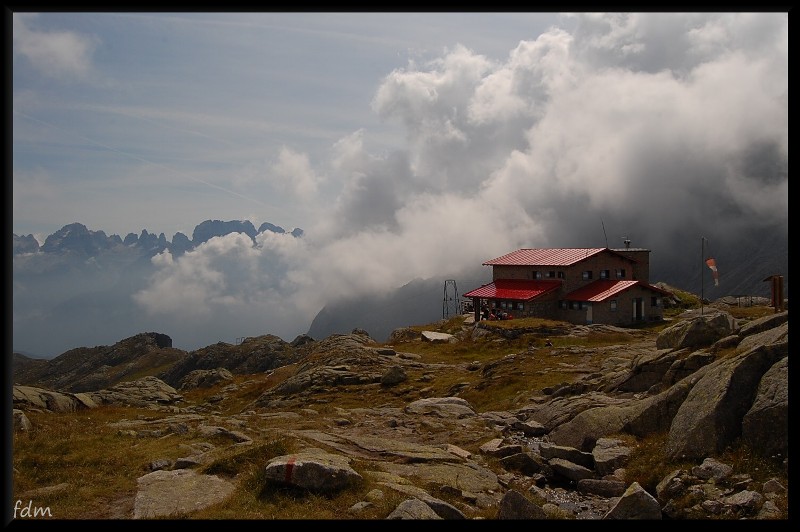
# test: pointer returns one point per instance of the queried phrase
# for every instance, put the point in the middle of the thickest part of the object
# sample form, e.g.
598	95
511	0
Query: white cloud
641	148
62	55
293	171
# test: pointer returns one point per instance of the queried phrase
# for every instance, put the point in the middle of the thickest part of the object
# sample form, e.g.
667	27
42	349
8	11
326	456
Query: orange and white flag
713	265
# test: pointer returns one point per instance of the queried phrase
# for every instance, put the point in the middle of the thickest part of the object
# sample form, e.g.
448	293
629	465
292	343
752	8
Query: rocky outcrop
88	369
711	416
765	427
32	398
340	360
204	378
145	392
696	332
763	324
252	355
769	336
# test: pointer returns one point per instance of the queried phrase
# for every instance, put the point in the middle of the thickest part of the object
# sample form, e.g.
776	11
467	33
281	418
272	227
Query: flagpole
702	260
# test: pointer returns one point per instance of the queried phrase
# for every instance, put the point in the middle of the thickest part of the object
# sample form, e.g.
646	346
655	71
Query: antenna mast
451	305
604	231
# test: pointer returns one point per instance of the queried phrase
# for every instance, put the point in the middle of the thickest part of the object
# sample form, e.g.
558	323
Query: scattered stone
515	505
413	509
177	493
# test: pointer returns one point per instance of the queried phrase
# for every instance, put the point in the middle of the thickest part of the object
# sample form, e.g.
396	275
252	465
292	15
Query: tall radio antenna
604	231
451	303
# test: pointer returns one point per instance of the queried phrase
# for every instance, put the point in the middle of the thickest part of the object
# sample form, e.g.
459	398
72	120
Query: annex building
577	285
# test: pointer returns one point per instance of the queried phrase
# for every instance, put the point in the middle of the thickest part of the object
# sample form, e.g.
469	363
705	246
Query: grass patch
257	498
82	450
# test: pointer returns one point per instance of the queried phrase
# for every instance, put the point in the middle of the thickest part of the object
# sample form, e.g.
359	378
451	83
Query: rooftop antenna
604	231
626	241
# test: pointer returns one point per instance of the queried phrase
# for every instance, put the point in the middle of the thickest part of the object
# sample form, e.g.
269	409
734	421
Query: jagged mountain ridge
77	238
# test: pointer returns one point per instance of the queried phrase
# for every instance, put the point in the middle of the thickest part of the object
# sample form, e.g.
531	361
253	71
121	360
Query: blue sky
405	145
158	121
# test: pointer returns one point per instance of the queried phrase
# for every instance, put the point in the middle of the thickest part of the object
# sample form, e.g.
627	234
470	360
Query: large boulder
449	407
770	336
635	503
700	331
413	509
638	417
514	505
711	416
312	469
146	391
647	371
763	324
31	397
765	427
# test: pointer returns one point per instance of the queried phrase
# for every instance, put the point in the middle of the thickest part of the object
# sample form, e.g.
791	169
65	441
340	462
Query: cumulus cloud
64	55
653	124
293	172
227	284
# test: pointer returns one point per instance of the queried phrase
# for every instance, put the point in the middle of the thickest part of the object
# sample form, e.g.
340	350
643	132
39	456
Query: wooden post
777	291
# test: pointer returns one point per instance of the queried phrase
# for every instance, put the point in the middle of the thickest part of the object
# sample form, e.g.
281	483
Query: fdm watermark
31	511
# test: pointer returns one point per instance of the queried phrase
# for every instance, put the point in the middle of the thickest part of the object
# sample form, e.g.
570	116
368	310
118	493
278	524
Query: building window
620	273
563	304
605	274
520	306
587	275
655	301
551	274
613	305
560	275
537	275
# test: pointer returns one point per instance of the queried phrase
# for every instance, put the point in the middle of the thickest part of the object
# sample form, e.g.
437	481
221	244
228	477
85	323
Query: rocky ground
360	412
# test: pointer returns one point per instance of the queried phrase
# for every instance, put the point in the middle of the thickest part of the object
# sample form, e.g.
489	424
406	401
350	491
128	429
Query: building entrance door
638	309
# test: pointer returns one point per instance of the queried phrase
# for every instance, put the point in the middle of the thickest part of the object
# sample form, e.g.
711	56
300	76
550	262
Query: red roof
517	289
603	289
544	257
